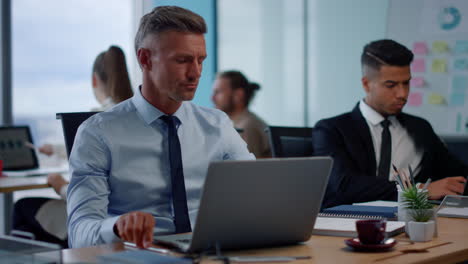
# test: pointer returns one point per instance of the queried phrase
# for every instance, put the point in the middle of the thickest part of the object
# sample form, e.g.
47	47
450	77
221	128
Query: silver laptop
248	204
18	154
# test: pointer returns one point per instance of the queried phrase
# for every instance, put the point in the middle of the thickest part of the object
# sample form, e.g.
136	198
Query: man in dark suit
376	134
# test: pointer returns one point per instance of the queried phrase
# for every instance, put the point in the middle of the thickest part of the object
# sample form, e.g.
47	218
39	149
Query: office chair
70	124
457	146
290	141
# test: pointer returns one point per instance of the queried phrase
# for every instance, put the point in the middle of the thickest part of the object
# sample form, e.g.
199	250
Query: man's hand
56	181
446	186
136	227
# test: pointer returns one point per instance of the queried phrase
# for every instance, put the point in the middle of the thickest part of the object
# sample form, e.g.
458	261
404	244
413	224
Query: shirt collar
107	103
151	113
373	116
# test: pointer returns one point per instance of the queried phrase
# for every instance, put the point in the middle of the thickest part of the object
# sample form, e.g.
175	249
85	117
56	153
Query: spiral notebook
361	212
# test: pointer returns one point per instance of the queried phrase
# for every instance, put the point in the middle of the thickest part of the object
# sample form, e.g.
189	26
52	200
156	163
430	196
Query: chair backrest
457	146
70	124
290	141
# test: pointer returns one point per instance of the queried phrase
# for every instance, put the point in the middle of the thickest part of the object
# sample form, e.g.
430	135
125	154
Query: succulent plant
417	203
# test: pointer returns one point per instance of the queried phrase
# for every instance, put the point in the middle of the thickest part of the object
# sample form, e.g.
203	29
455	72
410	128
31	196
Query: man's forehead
175	39
397	73
221	83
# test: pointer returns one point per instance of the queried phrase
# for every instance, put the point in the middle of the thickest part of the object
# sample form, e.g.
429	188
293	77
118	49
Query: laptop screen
14	150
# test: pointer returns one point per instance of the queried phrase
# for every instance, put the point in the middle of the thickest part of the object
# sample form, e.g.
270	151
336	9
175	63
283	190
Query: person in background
376	135
111	85
232	93
137	170
45	217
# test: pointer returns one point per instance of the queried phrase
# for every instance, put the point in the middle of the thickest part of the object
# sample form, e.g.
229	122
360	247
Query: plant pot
408	218
421	231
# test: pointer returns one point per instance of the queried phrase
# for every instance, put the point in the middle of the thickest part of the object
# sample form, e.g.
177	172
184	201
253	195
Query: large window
264	39
55	43
304	53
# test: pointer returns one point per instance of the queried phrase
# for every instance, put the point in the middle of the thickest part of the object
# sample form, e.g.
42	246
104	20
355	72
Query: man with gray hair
138	168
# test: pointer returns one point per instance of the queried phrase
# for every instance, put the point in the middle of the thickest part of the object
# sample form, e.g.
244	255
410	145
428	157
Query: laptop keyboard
187	241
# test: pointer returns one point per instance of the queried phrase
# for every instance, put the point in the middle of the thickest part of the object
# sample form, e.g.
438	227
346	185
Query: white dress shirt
404	150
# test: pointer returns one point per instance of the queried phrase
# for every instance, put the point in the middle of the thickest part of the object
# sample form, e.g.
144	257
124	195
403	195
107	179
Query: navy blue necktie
179	197
385	150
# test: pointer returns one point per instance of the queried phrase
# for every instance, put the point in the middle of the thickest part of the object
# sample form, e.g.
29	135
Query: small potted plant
420	214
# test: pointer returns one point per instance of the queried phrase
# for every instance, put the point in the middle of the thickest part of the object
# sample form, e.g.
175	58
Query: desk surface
12	184
8	185
324	249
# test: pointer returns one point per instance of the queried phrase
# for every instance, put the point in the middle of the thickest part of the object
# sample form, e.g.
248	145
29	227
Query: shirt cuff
107	230
63	192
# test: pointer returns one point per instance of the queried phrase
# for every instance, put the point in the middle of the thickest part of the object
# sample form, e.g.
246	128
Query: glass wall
275	41
54	46
337	32
264	39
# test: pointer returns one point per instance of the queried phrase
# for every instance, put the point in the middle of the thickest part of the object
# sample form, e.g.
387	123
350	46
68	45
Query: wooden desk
7	186
325	249
12	184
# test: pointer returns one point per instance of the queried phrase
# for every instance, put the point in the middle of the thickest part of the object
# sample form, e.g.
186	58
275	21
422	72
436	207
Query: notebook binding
351	216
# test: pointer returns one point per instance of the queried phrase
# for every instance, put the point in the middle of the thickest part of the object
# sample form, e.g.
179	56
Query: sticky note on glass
459	84
461	46
417	82
440	47
418	65
457	99
436	99
439	65
460	64
415	99
420	48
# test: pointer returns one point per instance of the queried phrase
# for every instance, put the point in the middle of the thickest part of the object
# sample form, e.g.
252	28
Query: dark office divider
70	124
290	141
458	146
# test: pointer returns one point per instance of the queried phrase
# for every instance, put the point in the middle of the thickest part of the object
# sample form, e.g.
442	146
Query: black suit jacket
353	178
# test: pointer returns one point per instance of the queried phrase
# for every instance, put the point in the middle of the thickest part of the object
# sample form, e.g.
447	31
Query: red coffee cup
371	231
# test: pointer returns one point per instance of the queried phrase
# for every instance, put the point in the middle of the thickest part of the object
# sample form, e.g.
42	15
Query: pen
158	250
398	178
427	184
411	175
267	259
406	179
29	145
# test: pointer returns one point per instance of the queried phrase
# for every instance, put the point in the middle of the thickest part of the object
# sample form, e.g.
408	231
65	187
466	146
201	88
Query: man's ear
94	80
144	58
365	84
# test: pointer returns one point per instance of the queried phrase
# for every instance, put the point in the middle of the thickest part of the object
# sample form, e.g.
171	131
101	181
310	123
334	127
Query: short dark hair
385	52
239	81
166	18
